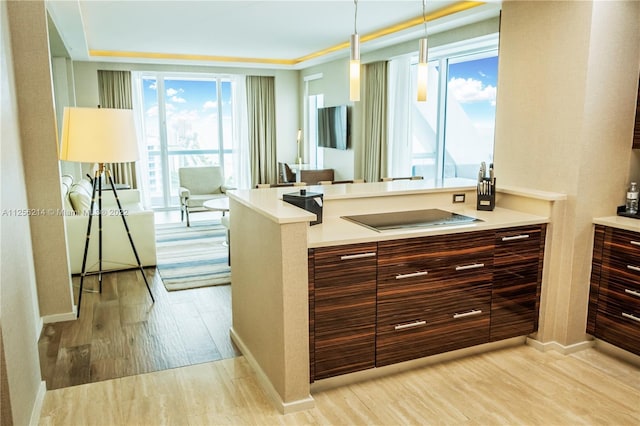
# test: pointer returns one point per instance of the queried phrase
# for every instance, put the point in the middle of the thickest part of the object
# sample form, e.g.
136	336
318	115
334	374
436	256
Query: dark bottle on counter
632	199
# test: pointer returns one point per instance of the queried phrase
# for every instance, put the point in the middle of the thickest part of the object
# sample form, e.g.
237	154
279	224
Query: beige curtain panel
114	91
261	114
375	121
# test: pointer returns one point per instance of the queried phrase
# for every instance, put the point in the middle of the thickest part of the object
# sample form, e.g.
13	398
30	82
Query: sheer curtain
114	91
141	166
375	121
241	153
399	118
261	114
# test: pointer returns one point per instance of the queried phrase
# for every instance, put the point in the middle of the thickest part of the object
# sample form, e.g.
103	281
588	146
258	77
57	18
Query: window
316	153
453	132
187	121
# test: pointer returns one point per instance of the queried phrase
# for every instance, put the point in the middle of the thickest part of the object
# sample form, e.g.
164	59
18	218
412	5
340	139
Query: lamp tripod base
97	186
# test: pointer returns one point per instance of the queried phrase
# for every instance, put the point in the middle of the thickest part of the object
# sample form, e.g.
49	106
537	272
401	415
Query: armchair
197	185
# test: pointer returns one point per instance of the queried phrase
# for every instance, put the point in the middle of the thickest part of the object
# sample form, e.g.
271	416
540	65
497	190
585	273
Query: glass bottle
632	199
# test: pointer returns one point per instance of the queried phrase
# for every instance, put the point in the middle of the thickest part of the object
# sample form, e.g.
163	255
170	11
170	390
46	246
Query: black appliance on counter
310	201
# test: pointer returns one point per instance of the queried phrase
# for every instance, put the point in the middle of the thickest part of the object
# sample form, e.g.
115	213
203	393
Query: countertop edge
367	236
620	222
294	214
531	193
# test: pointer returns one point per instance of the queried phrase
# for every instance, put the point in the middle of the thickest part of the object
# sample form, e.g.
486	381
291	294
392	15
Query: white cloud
210	105
178	99
152	111
171	92
470	90
153	86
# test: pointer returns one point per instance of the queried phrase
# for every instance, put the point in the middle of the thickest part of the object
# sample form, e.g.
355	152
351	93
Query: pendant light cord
355	18
424	16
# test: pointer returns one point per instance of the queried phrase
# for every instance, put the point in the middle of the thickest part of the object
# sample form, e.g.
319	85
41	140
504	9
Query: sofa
117	253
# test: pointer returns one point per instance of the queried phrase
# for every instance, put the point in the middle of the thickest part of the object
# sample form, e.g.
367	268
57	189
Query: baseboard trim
67	316
267	386
558	347
37	404
617	352
387	370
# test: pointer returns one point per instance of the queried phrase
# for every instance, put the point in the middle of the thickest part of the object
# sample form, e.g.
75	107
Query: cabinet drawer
619	275
517	246
517	273
434	306
619	330
408	283
615	299
624	245
340	265
344	309
413	256
416	338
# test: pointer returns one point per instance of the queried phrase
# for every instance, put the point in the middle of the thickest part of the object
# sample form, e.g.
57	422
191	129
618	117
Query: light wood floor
518	385
120	333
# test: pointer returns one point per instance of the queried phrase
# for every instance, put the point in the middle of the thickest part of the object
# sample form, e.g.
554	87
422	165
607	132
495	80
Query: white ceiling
246	33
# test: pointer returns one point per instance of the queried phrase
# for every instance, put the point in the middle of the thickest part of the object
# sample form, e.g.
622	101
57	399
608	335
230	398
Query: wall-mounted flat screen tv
333	127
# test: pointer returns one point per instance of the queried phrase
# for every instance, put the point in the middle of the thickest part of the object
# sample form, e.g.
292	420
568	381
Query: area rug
191	257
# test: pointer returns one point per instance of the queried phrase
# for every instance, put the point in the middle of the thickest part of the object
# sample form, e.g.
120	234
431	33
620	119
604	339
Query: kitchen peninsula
273	251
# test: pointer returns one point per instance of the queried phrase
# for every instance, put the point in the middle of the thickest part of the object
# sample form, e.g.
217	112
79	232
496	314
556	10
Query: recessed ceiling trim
440	13
188	57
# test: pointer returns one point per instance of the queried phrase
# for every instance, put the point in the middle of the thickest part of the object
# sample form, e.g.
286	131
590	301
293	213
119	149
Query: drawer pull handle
634	268
357	256
474	266
631	317
411	275
632	292
516	237
410	325
468	314
635	243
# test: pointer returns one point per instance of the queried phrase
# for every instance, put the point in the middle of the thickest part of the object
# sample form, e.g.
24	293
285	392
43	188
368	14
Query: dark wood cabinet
344	309
381	303
517	274
614	299
434	295
636	130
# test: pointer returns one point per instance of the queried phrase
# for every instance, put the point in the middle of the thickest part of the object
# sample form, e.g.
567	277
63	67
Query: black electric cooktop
410	219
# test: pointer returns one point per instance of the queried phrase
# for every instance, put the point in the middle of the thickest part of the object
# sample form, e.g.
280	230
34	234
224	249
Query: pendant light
354	62
423	67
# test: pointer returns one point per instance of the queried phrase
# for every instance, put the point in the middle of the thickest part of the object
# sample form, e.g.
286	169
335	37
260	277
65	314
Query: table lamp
100	135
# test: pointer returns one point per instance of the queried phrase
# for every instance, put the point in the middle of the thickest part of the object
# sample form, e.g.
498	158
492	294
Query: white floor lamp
100	135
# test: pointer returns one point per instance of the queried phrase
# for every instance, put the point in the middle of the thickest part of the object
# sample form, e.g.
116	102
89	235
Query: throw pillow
80	196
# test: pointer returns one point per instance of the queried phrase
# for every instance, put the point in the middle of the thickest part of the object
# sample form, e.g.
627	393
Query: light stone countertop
337	231
621	222
268	201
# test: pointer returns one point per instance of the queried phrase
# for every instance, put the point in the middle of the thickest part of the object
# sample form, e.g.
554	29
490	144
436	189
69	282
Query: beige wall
564	121
19	314
286	91
270	301
38	134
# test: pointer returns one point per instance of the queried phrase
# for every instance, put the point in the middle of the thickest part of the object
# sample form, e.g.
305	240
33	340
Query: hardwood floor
518	385
121	333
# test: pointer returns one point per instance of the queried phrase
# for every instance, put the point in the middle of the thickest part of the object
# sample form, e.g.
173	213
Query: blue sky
197	97
473	84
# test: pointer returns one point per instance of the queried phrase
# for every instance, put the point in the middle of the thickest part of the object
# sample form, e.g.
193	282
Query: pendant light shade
354	69
423	70
423	52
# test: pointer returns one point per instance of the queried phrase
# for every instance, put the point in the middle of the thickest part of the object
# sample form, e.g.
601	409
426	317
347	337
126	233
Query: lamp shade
98	135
